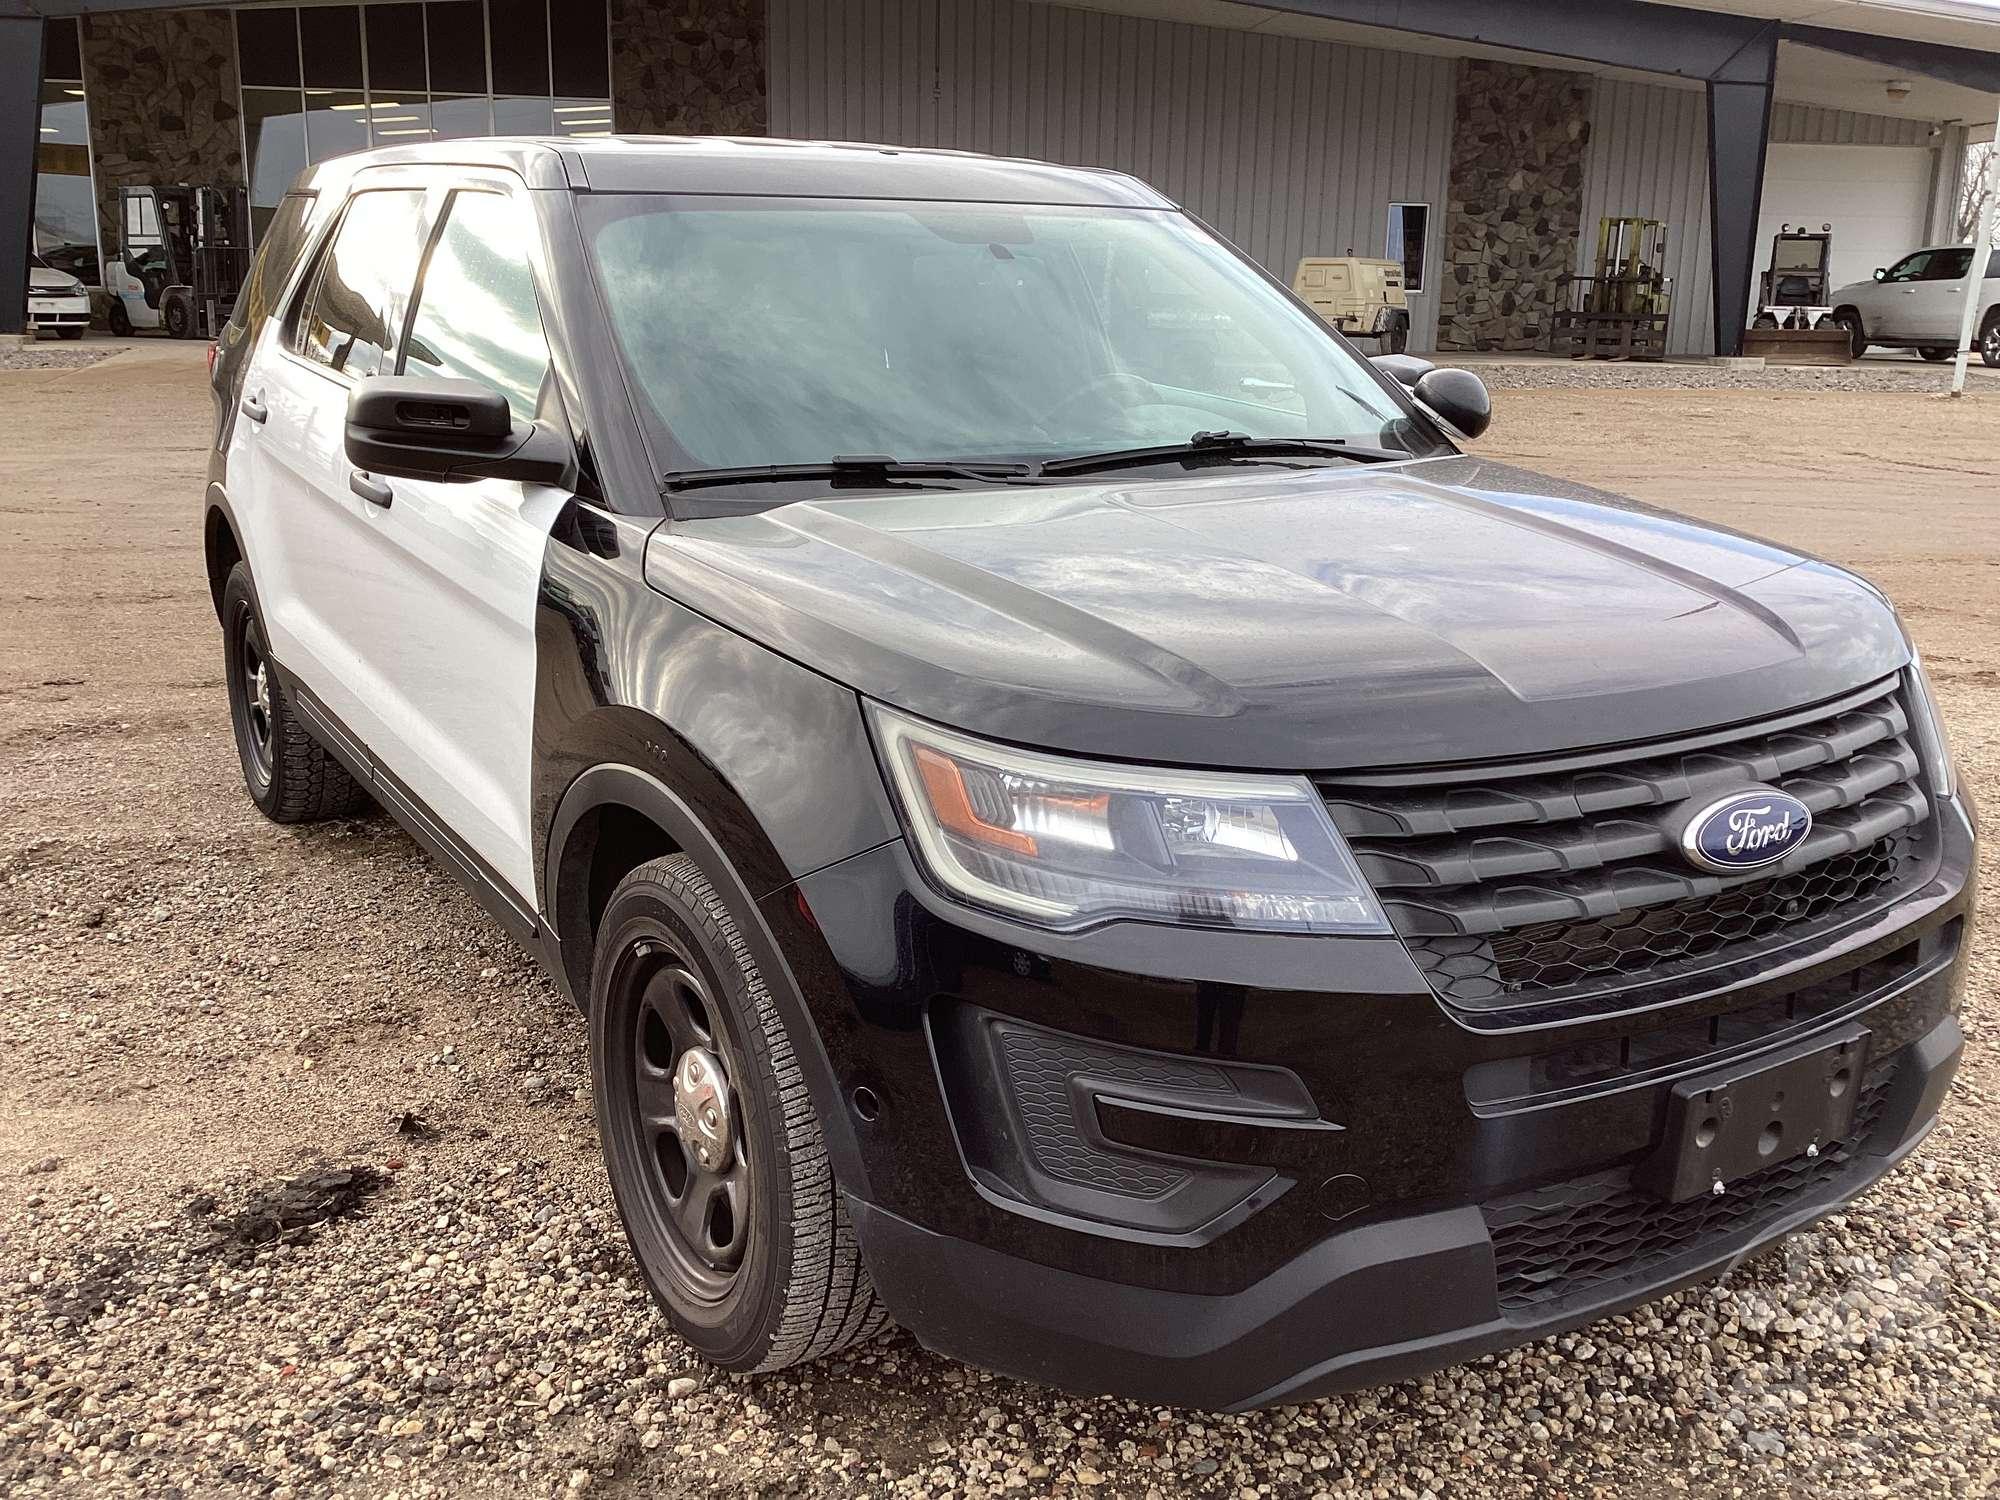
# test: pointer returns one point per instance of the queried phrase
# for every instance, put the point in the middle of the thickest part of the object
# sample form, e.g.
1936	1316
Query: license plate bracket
1726	1124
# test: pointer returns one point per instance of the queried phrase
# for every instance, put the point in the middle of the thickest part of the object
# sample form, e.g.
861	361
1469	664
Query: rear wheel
178	316
287	772
1989	340
1397	339
1857	336
121	320
710	1137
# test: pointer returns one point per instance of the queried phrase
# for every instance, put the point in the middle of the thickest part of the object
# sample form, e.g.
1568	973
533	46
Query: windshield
788	331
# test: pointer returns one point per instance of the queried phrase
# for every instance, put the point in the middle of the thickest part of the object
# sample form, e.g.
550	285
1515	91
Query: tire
1857	336
1937	354
70	333
1764	320
1396	340
178	315
287	772
120	319
773	1276
1989	339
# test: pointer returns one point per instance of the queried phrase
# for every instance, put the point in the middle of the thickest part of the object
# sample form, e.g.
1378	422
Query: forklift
183	255
1622	311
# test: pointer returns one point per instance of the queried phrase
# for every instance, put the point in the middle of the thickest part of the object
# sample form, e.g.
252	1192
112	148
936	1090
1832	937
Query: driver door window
1909	268
363	288
477	318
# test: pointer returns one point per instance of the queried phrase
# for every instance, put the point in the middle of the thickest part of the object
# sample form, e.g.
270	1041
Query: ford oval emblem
1746	831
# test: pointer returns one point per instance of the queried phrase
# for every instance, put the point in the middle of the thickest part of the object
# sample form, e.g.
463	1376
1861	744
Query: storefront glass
65	211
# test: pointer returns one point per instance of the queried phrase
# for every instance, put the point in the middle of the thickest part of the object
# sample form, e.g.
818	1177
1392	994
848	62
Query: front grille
1517	884
1554	1244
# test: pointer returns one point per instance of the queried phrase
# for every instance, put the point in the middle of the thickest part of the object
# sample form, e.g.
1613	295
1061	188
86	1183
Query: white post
1975	273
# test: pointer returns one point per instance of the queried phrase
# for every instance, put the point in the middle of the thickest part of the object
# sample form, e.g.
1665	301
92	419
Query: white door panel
440	606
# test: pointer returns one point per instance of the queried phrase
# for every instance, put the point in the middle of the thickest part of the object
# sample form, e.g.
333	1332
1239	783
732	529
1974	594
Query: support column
1739	131
20	133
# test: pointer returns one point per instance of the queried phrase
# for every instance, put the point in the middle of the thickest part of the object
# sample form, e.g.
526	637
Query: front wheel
1857	338
70	333
1397	339
715	1152
1989	340
120	319
178	315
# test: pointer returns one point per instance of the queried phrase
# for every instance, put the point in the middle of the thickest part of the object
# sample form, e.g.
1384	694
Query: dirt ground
196	1004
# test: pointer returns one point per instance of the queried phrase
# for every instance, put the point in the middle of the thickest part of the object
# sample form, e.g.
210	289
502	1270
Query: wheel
1764	320
1937	353
287	772
1857	338
714	1149
121	320
1989	340
178	316
1396	340
70	333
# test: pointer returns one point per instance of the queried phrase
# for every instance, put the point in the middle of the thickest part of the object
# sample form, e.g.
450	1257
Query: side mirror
413	428
1880	272
1456	400
1404	369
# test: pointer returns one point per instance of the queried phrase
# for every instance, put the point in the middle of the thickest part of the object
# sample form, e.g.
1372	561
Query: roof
765	167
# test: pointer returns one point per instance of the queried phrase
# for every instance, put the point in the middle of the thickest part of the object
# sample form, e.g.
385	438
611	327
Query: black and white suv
1080	820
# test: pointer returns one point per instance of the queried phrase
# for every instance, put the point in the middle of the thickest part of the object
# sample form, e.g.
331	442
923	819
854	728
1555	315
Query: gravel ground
1902	376
50	356
299	1190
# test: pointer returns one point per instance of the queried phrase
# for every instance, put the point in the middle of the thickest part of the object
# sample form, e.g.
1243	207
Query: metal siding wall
1649	156
1286	147
1809	125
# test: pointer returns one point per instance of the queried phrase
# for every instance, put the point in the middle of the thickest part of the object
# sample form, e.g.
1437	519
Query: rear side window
363	289
476	317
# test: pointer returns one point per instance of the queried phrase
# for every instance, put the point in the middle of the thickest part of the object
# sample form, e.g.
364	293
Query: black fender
628	787
216	513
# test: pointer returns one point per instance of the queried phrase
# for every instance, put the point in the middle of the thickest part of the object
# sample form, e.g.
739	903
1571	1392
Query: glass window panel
330	37
364	285
336	122
61	56
65	211
401	121
521	116
519	30
457	35
583	116
453	119
580	58
267	47
1409	235
274	130
477	318
396	48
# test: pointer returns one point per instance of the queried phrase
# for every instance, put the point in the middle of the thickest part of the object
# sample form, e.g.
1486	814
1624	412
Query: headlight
1928	728
1068	843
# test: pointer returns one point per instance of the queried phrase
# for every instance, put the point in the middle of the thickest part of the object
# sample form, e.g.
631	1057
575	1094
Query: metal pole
1975	273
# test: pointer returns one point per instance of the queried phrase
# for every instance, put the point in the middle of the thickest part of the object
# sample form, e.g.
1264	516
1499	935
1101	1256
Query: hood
1446	609
47	279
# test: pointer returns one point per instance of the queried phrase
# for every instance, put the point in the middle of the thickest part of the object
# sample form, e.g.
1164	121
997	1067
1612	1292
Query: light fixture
383	104
48	130
581	109
589	132
414	130
74	93
1897	88
395	120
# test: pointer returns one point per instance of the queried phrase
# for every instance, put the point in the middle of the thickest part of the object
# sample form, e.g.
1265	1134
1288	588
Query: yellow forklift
1620	312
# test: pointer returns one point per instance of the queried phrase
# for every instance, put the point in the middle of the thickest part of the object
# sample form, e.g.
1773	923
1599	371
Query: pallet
1587	335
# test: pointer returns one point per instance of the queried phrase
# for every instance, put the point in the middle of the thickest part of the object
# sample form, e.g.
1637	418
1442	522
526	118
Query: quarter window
477	318
364	283
1408	241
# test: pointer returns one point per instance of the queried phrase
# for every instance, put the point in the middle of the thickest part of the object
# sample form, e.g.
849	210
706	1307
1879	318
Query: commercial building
1478	141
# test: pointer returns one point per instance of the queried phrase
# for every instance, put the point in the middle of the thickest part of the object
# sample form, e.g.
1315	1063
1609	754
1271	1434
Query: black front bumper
1289	1168
1380	1303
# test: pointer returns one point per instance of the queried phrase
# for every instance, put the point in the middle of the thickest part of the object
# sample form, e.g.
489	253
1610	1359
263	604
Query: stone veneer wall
689	67
1516	204
163	103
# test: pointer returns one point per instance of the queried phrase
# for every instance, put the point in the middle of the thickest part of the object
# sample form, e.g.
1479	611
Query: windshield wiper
858	469
1221	447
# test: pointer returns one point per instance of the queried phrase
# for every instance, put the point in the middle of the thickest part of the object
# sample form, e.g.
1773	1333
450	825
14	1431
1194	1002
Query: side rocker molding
627	787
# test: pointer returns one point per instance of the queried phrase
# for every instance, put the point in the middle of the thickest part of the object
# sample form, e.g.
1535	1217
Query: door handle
254	408
374	491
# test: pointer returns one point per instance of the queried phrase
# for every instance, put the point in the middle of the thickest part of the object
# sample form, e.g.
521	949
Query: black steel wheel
1989	340
715	1152
287	772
